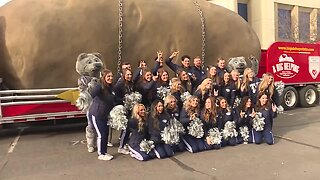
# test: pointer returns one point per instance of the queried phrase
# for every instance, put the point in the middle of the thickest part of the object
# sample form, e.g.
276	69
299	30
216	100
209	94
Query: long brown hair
105	72
189	109
210	114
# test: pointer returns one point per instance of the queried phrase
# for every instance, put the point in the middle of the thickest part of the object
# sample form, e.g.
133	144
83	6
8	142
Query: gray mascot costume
89	67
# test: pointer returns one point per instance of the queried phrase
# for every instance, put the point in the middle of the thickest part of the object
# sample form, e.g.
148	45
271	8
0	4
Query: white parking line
15	141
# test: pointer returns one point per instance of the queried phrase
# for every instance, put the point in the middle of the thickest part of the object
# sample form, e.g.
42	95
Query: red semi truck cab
297	65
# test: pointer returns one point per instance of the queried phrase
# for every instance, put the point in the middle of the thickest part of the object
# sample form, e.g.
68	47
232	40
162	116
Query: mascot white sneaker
89	67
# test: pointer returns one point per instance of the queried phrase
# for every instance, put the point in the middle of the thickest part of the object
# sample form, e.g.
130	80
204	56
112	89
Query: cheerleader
102	103
225	114
228	90
235	80
189	112
267	86
244	115
146	87
122	87
268	112
204	91
216	80
186	82
209	119
249	85
138	128
163	78
175	90
158	119
170	105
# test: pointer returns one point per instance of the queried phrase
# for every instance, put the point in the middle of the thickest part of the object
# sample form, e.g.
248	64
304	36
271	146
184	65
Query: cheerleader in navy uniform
267	86
170	105
175	91
158	119
124	86
189	112
216	80
236	81
138	128
268	111
163	78
249	85
186	82
146	86
244	115
209	119
203	91
228	90
225	114
102	103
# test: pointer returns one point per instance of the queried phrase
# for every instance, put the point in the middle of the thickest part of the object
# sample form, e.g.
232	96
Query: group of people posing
217	97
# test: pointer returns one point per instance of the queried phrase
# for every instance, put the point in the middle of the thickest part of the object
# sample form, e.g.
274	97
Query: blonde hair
238	82
264	84
135	115
167	101
246	80
189	109
202	86
174	84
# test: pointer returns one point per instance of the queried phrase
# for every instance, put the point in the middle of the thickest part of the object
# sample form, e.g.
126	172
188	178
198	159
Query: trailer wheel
309	96
289	98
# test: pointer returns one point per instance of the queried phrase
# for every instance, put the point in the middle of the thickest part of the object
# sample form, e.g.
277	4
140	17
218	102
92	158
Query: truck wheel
309	96
289	98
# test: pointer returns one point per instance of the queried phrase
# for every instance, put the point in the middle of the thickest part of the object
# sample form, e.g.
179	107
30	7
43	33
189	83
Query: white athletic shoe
106	157
123	151
90	149
109	144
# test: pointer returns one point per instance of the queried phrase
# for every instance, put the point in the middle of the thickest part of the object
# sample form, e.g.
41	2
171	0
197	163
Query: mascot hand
84	101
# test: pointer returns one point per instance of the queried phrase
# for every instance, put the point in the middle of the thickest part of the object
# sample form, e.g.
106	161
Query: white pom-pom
163	92
244	132
196	128
146	145
215	136
279	87
84	101
118	119
171	133
280	109
185	96
229	130
131	99
258	122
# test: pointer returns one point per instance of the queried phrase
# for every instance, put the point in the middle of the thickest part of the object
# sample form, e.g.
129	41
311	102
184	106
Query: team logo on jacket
314	66
285	68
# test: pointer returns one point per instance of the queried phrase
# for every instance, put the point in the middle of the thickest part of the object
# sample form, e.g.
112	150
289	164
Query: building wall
266	19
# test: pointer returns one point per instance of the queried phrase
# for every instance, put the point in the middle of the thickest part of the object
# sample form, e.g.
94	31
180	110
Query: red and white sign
314	66
285	68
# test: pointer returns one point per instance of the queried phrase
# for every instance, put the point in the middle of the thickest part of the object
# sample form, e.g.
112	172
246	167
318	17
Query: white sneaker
106	157
123	151
109	144
90	149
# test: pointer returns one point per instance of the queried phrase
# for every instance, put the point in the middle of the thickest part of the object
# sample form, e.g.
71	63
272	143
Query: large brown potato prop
41	39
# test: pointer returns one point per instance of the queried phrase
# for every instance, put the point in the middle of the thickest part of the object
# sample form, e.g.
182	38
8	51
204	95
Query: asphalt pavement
44	151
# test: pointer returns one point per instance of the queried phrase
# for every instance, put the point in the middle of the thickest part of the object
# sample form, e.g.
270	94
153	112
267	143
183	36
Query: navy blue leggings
102	130
212	146
124	137
250	139
193	144
179	147
136	153
229	142
265	135
163	150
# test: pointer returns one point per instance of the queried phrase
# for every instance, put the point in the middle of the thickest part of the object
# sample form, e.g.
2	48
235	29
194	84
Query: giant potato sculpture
41	39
